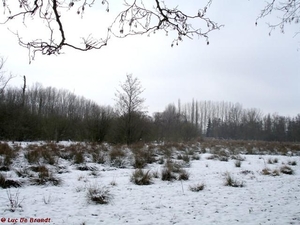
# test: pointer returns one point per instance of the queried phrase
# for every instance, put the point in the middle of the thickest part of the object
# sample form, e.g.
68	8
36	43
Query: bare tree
129	104
3	78
288	12
136	18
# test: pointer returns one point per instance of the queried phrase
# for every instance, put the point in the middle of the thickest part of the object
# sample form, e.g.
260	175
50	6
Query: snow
263	199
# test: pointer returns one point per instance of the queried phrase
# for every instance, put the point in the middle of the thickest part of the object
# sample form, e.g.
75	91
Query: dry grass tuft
197	187
232	182
287	170
99	195
141	177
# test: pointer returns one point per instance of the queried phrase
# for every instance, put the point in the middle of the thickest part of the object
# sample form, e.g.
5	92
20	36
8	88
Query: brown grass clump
117	156
197	187
8	154
141	177
173	171
267	171
287	170
99	195
230	181
6	183
142	156
44	176
238	163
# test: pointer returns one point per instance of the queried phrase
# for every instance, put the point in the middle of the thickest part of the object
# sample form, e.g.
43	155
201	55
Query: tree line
48	113
231	121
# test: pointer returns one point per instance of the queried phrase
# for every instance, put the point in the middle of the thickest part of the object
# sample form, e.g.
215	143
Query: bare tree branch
288	11
3	79
136	19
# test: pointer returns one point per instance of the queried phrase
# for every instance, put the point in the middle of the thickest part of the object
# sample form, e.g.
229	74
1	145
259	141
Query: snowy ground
264	199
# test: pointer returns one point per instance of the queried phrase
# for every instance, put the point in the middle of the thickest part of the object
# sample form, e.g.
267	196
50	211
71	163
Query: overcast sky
242	63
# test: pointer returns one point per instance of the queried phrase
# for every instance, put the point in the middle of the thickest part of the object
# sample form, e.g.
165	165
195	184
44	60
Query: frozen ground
264	199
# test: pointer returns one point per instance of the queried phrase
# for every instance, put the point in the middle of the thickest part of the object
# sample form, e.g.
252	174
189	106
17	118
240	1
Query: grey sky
241	64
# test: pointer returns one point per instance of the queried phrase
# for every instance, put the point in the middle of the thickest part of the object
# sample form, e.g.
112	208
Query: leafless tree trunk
3	78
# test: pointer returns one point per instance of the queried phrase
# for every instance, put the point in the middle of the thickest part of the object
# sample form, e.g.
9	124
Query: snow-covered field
263	199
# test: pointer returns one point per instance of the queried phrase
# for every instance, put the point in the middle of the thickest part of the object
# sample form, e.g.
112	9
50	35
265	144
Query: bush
267	171
117	157
155	174
286	170
4	168
186	158
292	163
272	161
238	157
237	163
230	181
84	167
5	183
246	172
170	171
197	187
8	154
142	157
212	157
32	156
48	157
14	200
161	160
167	175
140	177
99	157
79	157
99	195
196	157
183	175
45	176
